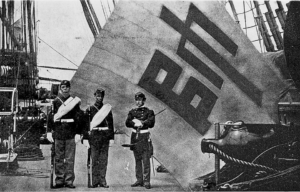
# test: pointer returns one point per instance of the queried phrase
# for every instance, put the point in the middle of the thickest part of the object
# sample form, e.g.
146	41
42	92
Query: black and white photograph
149	95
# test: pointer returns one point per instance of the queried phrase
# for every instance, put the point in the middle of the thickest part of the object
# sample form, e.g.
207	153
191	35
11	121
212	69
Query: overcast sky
65	36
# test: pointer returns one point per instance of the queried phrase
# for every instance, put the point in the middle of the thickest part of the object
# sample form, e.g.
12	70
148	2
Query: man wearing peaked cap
66	83
97	139
140	95
140	119
100	92
66	133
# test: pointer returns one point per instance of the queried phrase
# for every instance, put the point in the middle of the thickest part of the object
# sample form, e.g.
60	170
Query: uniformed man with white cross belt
140	119
101	131
66	133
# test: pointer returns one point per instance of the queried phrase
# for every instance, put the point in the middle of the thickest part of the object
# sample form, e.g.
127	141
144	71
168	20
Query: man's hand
49	137
86	143
137	123
111	142
77	138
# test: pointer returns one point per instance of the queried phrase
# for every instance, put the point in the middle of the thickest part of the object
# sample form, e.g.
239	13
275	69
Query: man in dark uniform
66	134
98	138
140	119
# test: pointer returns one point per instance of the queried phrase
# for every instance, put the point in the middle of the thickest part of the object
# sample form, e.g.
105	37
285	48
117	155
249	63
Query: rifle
52	165
89	154
89	168
160	112
52	152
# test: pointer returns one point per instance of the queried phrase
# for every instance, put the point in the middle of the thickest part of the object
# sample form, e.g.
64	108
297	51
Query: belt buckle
67	120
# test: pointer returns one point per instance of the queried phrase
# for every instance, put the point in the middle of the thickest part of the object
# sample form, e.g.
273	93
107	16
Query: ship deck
35	175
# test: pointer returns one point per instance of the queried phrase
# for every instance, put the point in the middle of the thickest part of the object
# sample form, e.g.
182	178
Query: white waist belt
100	128
67	120
141	131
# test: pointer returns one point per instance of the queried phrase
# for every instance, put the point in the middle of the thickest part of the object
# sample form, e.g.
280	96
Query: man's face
65	89
99	97
139	102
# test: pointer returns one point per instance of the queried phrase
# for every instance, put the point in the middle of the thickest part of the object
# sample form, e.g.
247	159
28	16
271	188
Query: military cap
140	95
99	91
66	83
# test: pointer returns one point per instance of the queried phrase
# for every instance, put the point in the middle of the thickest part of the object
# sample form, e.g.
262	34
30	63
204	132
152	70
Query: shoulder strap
96	107
60	99
67	101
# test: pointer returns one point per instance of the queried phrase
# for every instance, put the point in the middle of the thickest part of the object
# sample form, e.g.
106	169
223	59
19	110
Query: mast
24	25
94	15
89	18
273	26
281	15
263	28
30	26
234	12
32	64
17	34
3	15
6	24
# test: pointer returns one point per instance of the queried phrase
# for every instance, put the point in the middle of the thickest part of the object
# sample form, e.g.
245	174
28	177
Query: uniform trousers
99	154
64	161
142	166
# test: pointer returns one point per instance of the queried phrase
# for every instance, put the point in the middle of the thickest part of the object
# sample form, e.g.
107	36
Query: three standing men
141	119
66	134
99	138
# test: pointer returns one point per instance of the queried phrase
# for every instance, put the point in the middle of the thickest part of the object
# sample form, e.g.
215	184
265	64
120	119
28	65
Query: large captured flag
188	57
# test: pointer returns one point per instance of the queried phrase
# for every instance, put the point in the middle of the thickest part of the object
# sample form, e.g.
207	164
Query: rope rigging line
24	133
245	18
251	9
250	26
227	157
278	175
58	52
257	32
253	162
104	12
245	11
108	6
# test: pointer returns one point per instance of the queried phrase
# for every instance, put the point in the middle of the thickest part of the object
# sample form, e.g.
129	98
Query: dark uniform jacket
97	137
145	115
64	130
